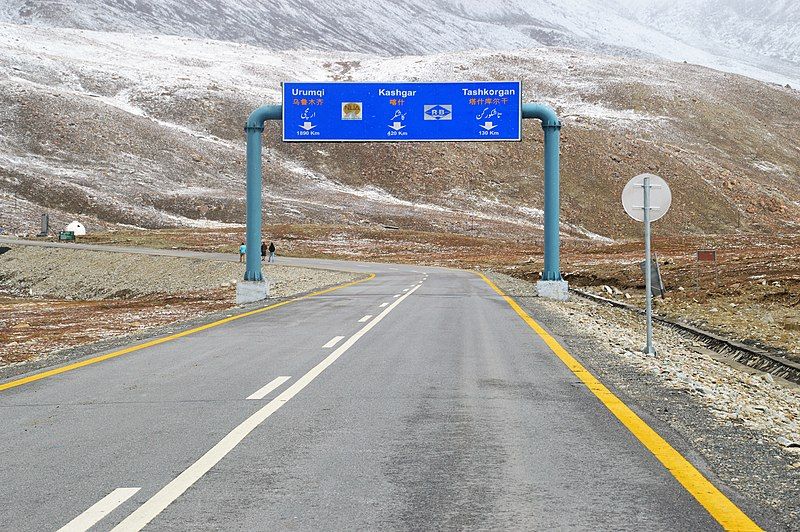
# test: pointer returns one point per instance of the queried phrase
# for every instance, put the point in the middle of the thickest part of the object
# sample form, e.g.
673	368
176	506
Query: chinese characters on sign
457	111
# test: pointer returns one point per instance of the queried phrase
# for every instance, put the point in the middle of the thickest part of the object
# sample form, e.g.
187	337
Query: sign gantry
403	112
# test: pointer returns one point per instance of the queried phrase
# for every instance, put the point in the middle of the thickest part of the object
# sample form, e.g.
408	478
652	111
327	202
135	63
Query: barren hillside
147	131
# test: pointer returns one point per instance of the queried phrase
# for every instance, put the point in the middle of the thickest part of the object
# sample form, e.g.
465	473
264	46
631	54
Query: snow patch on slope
750	37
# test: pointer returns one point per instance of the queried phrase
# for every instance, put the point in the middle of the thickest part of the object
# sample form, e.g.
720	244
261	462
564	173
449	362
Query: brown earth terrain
56	299
33	327
751	293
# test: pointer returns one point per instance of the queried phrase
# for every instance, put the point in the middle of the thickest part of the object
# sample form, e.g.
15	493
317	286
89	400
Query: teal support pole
552	134
253	129
552	139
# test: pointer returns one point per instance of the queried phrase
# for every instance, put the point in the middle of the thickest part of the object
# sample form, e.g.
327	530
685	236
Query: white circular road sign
633	197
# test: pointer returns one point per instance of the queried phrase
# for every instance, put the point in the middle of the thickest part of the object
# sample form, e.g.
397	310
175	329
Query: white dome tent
77	228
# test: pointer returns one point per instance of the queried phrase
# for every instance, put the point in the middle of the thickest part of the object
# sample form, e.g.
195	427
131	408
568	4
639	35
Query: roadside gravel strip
742	429
92	275
59	305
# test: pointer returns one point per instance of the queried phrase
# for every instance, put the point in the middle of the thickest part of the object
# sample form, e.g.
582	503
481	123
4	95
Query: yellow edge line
714	501
158	341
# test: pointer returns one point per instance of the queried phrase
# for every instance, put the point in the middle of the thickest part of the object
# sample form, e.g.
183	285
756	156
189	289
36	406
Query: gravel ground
58	305
739	429
93	275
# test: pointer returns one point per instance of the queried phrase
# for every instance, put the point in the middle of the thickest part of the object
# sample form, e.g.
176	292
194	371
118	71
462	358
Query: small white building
77	228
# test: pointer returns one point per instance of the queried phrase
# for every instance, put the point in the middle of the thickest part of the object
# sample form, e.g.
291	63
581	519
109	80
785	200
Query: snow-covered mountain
125	112
759	27
751	37
759	33
146	130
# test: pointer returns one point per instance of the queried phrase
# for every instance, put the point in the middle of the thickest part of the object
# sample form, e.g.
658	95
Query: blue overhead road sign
368	112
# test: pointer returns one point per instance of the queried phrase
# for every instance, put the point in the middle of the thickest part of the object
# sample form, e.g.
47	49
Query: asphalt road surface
415	400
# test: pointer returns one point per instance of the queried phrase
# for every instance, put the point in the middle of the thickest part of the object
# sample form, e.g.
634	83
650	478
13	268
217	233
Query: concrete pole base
558	290
251	291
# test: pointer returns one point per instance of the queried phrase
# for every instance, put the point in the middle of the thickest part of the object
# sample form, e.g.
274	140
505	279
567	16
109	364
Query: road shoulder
756	473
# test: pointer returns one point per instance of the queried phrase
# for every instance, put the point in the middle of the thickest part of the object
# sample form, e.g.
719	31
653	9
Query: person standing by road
272	251
242	252
263	251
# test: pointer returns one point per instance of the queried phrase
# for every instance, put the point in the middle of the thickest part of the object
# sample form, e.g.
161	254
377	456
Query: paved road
415	400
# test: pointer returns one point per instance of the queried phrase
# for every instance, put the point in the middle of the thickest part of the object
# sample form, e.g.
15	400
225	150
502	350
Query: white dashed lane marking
333	341
271	385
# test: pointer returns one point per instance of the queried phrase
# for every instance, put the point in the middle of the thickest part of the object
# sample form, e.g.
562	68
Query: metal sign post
648	271
646	198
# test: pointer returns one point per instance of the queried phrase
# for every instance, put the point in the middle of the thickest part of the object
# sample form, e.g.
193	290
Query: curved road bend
415	400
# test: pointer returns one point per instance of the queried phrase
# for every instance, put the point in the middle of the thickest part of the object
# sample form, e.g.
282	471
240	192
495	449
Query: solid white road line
156	504
333	341
383	305
365	318
271	385
99	510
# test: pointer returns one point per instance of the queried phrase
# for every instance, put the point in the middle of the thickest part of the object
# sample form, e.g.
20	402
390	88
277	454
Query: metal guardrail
744	354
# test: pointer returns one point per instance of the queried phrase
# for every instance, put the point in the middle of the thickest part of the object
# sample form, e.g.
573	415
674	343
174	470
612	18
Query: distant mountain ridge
764	34
766	28
749	37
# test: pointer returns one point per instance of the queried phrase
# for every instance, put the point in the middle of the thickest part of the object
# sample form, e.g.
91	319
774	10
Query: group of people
264	250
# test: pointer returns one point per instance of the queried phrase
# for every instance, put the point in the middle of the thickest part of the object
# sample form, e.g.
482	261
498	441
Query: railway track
750	356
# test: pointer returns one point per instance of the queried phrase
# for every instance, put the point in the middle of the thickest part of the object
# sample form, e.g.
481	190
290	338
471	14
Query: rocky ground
746	427
751	294
53	299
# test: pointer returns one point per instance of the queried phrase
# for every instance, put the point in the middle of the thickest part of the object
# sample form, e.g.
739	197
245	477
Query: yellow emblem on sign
351	110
